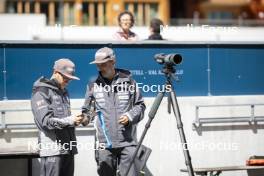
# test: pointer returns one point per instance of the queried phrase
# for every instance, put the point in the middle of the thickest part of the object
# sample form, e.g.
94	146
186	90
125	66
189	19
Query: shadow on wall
8	134
254	127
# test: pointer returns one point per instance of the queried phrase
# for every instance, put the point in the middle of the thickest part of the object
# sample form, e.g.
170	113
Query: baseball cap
66	67
103	55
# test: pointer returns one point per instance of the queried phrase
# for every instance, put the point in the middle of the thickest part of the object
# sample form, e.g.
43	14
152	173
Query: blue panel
1	73
237	71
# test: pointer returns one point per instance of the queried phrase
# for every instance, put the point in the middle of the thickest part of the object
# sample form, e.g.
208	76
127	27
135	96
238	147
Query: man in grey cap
118	111
50	105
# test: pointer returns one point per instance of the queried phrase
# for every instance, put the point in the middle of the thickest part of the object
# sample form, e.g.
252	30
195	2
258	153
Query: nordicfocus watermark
200	146
126	87
205	27
58	146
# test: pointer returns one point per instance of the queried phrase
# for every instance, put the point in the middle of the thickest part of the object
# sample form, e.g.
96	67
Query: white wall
30	27
18	27
216	146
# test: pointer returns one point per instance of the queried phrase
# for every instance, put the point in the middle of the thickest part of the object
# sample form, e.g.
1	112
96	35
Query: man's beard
108	74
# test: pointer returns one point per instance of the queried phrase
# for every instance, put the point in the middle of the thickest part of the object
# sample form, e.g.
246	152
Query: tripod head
168	61
171	59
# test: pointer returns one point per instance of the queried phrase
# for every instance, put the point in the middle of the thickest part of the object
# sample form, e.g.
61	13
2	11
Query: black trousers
61	165
111	161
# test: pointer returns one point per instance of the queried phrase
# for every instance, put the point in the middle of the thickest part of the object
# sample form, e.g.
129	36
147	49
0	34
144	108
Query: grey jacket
110	104
51	109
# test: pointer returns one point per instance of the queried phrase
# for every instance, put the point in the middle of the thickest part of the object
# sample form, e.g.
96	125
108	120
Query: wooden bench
216	171
19	153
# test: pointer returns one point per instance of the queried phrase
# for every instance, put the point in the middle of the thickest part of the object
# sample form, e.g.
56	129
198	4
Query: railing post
252	118
3	123
197	121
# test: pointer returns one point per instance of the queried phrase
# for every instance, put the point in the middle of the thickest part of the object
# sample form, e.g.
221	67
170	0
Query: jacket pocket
59	111
125	133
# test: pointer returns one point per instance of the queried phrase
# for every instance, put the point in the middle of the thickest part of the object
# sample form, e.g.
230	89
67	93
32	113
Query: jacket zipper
116	118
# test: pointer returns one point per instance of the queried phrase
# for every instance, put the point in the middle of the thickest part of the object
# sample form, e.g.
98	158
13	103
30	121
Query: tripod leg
169	103
177	114
151	115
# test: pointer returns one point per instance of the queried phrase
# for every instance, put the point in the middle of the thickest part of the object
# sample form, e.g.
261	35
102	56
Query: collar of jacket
55	84
119	73
126	35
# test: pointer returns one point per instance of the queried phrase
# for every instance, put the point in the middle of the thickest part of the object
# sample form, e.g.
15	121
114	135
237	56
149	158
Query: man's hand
78	119
86	120
124	120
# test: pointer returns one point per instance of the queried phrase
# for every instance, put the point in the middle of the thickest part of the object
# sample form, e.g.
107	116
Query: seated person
155	26
126	22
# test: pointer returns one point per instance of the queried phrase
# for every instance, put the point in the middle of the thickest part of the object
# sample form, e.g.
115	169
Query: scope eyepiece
168	59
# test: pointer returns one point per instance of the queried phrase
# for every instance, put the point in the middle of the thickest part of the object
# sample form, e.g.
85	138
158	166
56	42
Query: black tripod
169	71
